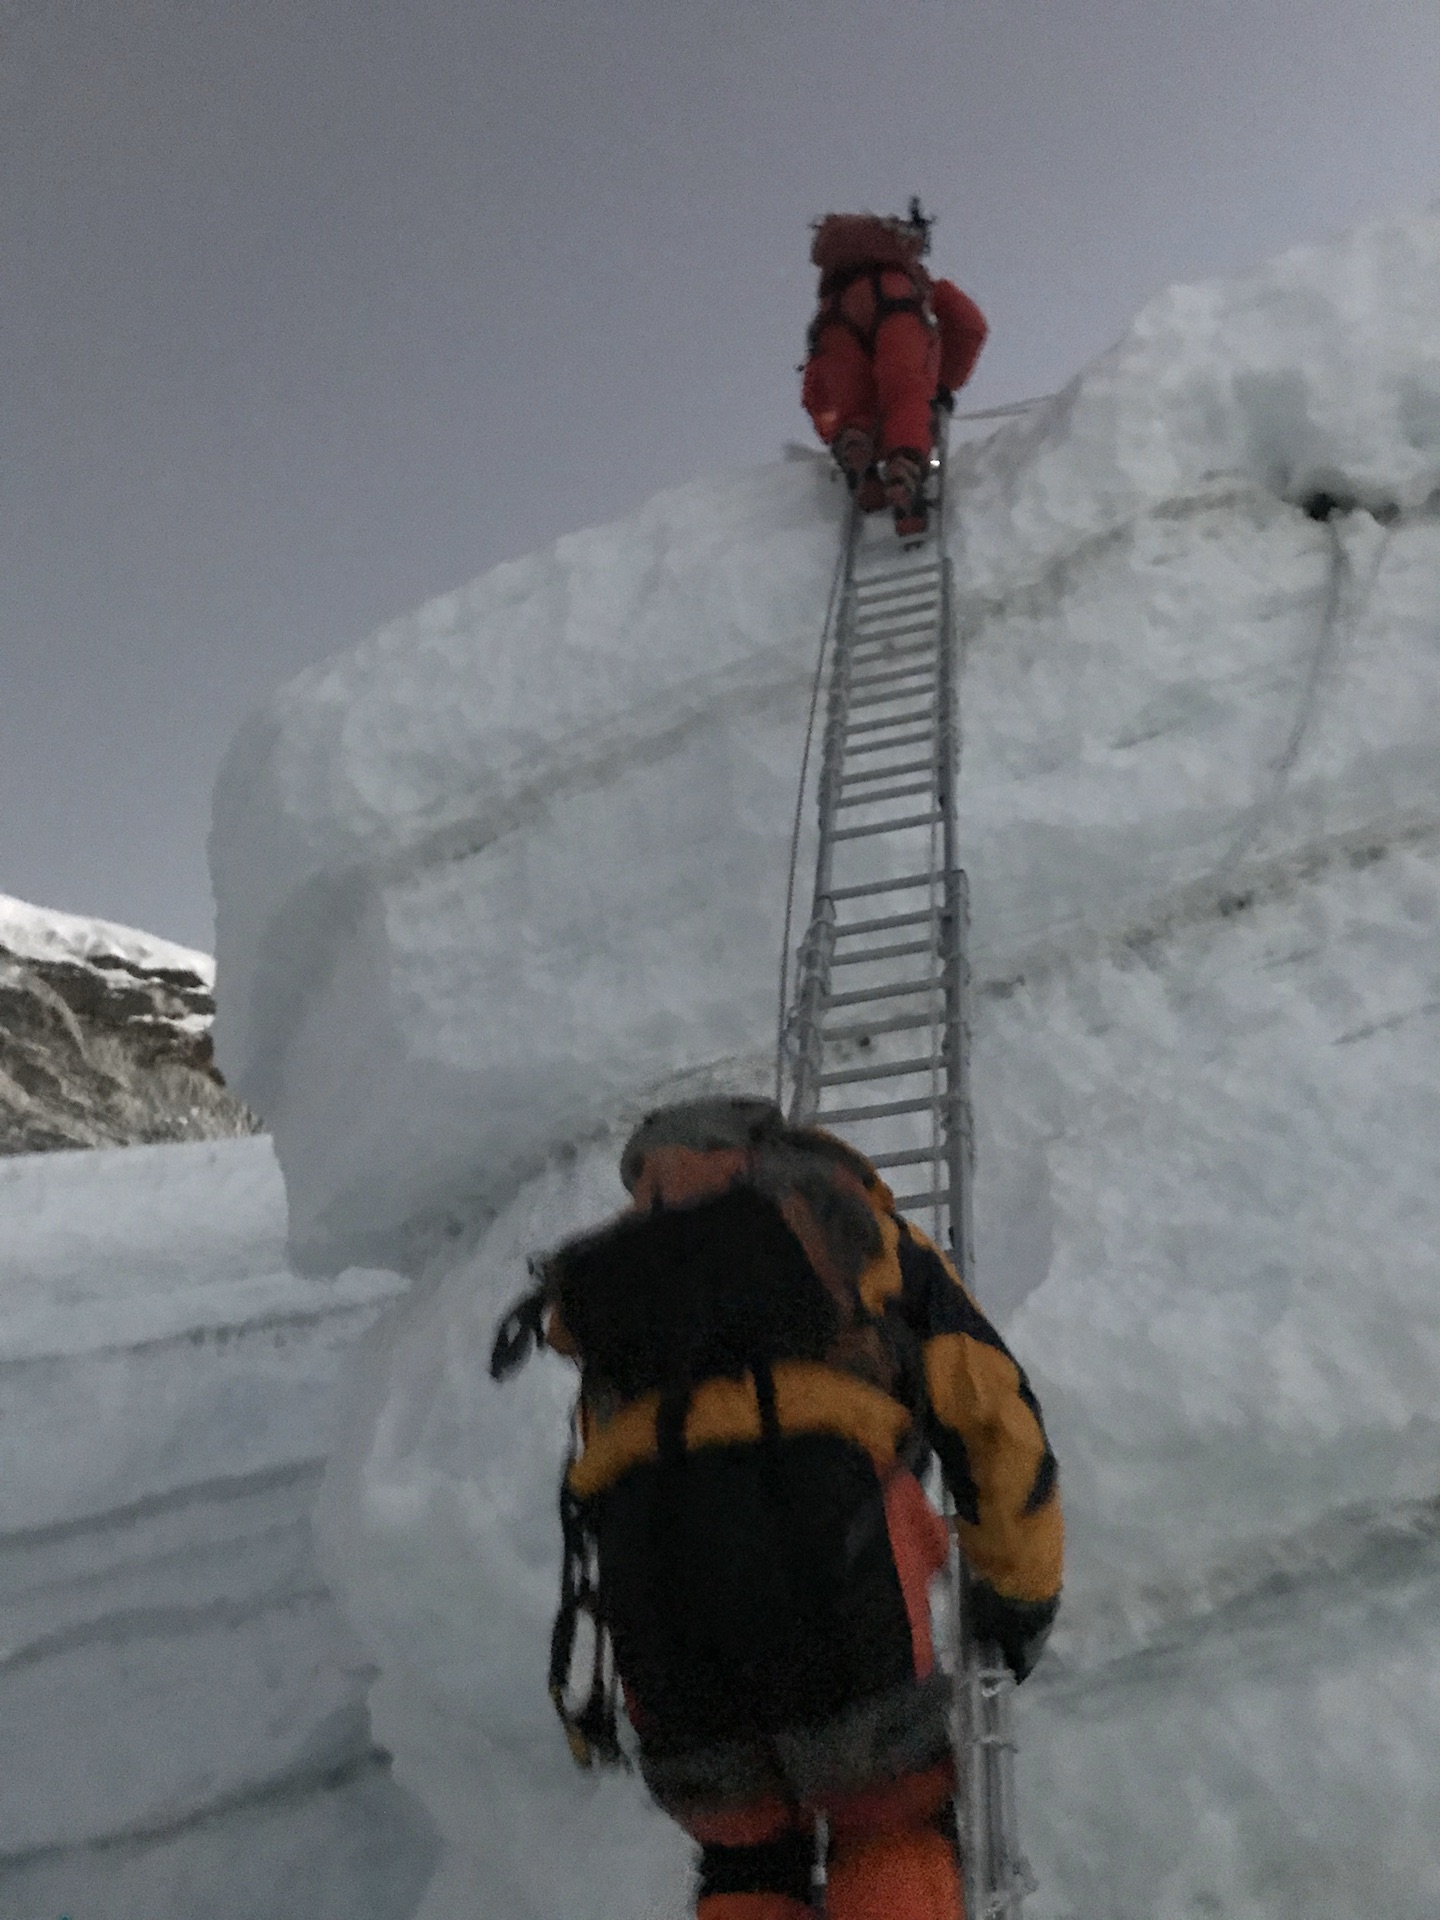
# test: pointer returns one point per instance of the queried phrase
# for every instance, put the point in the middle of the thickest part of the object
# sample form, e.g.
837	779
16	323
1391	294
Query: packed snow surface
494	881
183	1722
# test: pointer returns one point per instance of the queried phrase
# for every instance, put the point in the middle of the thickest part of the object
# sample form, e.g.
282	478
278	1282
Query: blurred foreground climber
887	345
769	1357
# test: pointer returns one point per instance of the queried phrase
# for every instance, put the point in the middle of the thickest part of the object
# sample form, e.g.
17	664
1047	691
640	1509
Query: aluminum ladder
876	1037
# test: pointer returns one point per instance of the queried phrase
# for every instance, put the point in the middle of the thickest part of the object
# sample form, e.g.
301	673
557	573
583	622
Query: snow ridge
42	933
104	1037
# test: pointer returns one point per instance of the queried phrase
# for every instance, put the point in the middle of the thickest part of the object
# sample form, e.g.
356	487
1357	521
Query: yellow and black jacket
889	1357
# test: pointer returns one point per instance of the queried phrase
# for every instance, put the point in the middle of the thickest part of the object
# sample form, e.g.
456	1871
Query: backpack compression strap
592	1728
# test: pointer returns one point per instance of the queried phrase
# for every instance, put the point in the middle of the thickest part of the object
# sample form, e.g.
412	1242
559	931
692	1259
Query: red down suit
886	337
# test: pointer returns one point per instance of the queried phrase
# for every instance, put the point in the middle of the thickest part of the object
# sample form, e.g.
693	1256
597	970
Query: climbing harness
875	1041
833	314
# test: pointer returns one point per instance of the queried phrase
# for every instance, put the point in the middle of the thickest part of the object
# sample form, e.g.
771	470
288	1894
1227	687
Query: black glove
1019	1628
519	1333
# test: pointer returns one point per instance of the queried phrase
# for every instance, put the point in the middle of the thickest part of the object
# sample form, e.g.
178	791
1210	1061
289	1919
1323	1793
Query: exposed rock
105	1038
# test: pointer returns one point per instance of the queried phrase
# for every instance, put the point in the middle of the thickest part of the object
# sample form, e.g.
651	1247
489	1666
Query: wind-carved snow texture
478	812
183	1720
492	882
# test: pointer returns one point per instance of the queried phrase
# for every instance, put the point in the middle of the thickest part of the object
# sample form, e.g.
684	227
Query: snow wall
183	1719
513	869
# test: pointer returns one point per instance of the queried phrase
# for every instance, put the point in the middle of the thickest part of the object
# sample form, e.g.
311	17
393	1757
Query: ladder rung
905	1201
907	1157
891	688
891	1070
926	576
832	1116
904	825
888	773
873	642
895	991
890	720
890	670
906	740
895	1023
889	696
896	616
889	675
879	577
899	580
885	886
863	652
901	950
883	925
877	794
888	570
923	663
897	626
895	602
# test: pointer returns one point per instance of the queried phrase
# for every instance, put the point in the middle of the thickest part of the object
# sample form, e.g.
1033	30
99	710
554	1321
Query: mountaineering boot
761	1880
905	471
854	449
870	495
854	452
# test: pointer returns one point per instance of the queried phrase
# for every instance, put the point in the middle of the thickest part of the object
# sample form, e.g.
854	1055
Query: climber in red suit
886	344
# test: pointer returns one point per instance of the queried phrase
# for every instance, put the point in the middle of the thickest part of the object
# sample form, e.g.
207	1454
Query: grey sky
310	309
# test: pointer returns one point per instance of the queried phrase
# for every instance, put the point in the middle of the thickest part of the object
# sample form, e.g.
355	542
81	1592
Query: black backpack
657	1303
660	1301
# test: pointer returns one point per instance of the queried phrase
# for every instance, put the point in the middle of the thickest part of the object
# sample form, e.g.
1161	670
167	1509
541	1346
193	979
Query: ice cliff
496	879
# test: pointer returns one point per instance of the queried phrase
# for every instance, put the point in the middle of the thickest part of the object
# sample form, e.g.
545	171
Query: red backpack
847	243
853	247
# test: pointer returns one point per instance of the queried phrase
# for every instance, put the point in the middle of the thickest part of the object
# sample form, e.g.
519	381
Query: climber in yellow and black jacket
769	1353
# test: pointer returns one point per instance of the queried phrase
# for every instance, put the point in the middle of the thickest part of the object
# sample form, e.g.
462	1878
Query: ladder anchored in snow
876	1038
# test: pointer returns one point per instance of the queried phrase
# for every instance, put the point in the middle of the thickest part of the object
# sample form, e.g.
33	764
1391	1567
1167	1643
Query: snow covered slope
43	933
492	882
183	1727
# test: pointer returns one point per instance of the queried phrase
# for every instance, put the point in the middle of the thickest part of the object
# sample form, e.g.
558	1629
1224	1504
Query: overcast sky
311	309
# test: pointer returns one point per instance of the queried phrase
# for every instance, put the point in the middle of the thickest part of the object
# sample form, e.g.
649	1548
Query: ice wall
453	927
183	1720
489	883
451	924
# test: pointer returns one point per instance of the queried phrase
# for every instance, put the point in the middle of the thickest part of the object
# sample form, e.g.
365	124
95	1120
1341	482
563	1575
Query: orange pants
888	394
891	1858
891	1852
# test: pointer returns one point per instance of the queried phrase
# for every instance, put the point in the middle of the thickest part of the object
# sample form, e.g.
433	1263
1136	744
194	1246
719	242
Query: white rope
837	581
1010	408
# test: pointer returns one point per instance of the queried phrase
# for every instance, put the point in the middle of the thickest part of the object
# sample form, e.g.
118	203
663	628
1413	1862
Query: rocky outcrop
105	1039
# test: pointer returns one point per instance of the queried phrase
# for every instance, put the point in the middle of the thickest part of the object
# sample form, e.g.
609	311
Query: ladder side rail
985	1734
959	1143
817	951
968	1706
